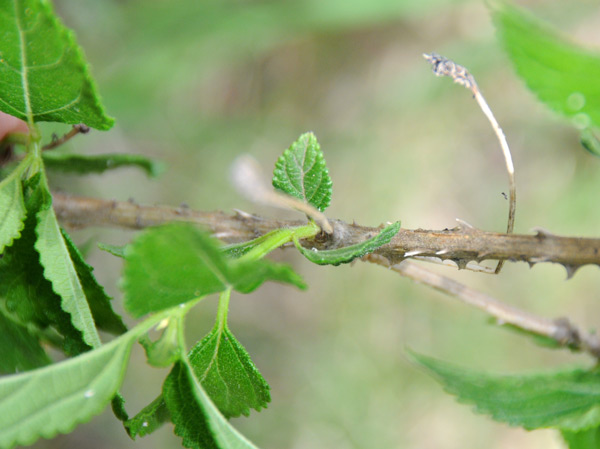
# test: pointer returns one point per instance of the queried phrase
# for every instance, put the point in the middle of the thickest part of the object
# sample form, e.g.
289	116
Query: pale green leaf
44	74
115	250
172	264
228	375
567	400
586	439
563	75
165	350
81	164
349	253
12	210
59	269
52	400
302	173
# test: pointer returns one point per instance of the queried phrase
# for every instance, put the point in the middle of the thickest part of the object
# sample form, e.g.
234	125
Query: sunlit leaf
586	439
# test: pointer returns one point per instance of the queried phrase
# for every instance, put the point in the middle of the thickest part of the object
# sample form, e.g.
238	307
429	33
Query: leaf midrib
23	72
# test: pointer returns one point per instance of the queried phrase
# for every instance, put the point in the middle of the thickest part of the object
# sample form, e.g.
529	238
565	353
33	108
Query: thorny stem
560	330
56	141
443	66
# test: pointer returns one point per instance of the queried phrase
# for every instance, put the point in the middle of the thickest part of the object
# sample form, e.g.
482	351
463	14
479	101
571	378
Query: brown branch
461	244
56	141
560	330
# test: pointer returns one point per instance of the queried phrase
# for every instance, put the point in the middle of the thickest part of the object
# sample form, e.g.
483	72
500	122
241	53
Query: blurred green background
197	83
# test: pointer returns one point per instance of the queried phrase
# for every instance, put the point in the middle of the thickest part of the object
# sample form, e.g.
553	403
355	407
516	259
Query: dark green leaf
172	264
349	253
196	418
12	210
302	173
148	419
99	302
43	71
590	142
54	399
567	400
228	375
98	164
117	404
118	251
562	74
586	439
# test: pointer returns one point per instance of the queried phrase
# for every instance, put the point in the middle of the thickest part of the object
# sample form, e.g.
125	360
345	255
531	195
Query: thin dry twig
56	141
443	66
560	330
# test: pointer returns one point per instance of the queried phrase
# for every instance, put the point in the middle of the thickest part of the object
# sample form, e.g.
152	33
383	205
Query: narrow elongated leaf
228	375
12	210
349	253
586	439
105	317
60	270
302	173
118	251
196	418
150	418
567	400
80	164
563	75
54	399
172	264
43	71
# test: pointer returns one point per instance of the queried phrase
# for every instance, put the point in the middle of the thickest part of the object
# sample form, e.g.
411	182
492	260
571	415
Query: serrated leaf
54	399
45	77
567	400
60	270
349	253
150	418
302	173
172	264
563	75
105	317
228	375
117	404
12	210
586	439
196	418
80	164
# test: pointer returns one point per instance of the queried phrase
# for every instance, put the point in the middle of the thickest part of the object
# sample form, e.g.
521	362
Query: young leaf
148	419
567	400
586	439
172	264
196	418
563	75
302	173
12	210
44	75
115	250
349	253
99	302
54	399
227	374
164	351
75	163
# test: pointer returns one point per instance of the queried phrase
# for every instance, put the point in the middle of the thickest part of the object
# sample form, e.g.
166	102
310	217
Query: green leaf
44	75
105	317
60	270
75	163
54	399
196	418
115	250
172	264
567	400
148	419
12	210
164	351
563	75
590	142
586	439
302	173
227	374
349	253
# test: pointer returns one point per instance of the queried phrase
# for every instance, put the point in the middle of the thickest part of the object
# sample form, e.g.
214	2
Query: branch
560	330
461	245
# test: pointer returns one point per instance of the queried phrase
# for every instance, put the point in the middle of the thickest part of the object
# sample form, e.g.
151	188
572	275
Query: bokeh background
197	83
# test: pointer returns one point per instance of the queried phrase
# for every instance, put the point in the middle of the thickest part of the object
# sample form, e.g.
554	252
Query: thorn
463	223
531	263
442	251
571	269
541	232
461	263
415	252
241	213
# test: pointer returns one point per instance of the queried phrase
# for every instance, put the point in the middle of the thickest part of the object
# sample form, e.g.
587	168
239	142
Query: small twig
560	330
445	67
56	141
247	178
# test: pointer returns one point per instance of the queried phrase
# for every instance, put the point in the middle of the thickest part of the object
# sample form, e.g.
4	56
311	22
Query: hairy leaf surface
349	253
39	56
172	264
81	164
302	173
567	400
